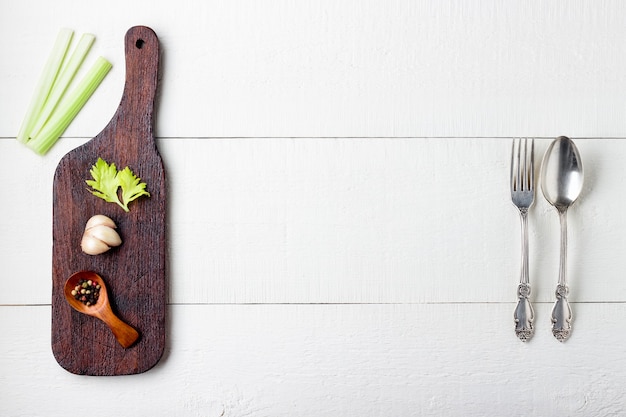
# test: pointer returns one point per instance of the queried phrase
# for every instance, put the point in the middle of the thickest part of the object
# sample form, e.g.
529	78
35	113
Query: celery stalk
63	81
69	107
46	81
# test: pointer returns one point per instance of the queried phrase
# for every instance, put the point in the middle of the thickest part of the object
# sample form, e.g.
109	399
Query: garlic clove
99	235
104	233
92	246
100	219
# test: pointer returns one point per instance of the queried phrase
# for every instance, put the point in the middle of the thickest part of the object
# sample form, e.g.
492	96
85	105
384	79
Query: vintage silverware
561	183
523	196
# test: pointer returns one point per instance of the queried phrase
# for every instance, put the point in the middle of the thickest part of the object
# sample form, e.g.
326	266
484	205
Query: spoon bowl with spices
86	293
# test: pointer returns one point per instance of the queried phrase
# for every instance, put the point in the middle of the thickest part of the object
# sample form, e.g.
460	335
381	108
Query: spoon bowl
561	183
562	173
101	309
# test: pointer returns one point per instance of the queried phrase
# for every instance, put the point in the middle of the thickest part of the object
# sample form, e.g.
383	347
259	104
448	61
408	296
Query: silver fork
523	196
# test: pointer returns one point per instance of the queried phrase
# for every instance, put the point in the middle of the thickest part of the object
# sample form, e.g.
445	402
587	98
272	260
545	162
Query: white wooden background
342	241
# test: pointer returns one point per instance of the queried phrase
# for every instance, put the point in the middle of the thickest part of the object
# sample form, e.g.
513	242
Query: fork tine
532	165
519	178
524	168
511	177
518	175
521	169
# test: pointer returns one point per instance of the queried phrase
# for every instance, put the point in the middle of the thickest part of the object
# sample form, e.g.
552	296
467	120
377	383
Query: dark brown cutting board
135	272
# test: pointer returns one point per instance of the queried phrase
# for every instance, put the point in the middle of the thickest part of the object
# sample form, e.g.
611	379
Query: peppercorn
87	292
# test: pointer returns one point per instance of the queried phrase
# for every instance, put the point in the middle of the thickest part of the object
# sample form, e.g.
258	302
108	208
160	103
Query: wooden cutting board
135	272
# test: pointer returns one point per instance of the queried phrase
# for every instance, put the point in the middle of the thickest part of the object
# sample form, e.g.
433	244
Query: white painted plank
342	221
329	360
350	68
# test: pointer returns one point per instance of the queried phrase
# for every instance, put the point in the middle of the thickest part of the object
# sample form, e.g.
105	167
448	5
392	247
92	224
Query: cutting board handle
137	103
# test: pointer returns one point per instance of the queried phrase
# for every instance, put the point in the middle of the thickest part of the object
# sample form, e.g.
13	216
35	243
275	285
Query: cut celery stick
46	81
63	81
69	107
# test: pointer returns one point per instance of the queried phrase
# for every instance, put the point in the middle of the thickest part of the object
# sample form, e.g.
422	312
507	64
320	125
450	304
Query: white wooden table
342	242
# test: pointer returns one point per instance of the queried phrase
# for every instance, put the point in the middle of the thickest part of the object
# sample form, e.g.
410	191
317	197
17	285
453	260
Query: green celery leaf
132	187
105	182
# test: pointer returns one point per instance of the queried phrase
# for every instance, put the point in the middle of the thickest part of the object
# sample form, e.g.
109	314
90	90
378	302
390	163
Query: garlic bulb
100	235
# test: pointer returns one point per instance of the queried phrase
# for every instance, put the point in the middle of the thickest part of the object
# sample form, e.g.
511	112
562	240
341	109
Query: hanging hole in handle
139	44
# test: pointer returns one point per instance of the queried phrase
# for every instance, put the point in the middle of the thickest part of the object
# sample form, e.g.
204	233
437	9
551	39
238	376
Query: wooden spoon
124	333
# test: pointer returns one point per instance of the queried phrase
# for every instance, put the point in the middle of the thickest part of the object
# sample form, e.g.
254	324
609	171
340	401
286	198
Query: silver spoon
561	183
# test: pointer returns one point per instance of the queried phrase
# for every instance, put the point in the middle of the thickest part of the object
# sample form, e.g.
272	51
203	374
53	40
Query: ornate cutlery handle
524	314
561	314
